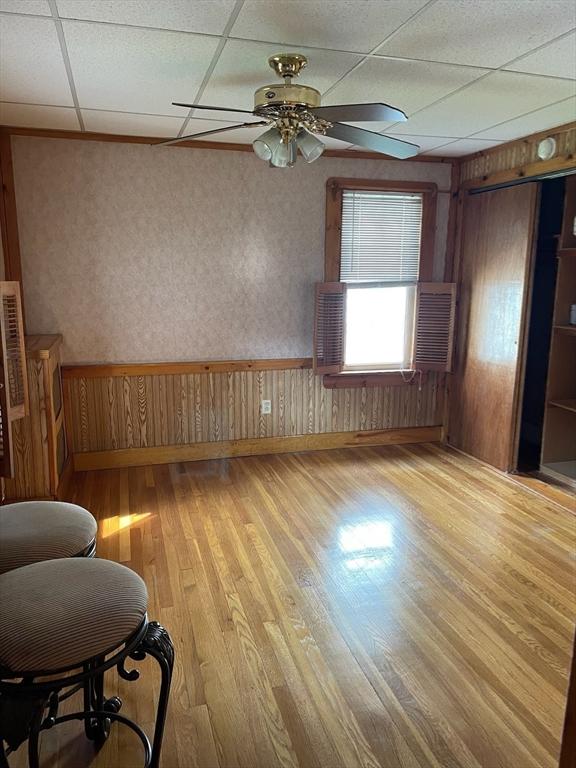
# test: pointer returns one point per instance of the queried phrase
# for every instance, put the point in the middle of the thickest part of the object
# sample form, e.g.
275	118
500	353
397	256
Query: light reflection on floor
112	525
369	544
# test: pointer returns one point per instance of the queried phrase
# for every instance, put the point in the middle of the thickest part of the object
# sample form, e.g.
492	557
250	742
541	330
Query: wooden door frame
525	315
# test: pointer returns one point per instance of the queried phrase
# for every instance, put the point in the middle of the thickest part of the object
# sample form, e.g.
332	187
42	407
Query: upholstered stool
63	623
33	531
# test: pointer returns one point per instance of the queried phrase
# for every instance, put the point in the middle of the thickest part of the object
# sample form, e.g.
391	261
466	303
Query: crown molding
48	133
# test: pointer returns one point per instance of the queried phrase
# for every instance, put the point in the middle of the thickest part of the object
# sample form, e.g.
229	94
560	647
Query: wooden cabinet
39	440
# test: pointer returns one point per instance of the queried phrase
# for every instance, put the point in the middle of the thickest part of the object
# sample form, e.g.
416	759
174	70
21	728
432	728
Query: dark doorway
540	324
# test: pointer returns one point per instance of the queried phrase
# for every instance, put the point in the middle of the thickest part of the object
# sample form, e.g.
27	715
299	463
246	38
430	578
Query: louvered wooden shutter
434	326
13	376
329	327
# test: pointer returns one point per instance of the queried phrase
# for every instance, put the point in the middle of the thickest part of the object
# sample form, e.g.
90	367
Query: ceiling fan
294	115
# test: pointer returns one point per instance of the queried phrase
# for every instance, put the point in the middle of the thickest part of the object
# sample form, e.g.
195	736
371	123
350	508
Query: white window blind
381	234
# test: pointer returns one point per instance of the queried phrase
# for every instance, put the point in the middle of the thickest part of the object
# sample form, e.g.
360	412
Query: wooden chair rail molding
110	370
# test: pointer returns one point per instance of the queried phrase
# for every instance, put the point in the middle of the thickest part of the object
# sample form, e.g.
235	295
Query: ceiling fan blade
207	133
358	113
216	109
375	141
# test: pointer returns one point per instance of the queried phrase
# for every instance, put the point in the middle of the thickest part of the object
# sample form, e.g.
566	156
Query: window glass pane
381	234
378	326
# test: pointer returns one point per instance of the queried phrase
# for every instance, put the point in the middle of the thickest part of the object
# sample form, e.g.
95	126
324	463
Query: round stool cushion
59	613
32	531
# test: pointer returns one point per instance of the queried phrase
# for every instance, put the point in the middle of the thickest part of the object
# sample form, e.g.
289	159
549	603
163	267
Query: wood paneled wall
111	412
519	159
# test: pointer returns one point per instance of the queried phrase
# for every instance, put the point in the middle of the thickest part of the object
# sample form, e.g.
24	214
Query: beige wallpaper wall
136	253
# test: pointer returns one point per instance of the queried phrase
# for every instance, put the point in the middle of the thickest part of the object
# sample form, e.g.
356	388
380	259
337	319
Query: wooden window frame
332	256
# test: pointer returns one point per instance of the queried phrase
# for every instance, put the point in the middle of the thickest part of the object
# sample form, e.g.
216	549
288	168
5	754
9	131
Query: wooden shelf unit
558	459
40	449
568	405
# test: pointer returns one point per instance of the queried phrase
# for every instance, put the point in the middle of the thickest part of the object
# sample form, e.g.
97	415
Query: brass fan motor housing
286	94
288	64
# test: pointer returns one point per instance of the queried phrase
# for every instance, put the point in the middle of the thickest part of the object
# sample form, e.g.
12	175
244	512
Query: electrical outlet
266	407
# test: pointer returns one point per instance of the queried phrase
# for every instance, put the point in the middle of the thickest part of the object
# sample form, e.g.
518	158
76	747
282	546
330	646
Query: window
381	234
379	312
378	327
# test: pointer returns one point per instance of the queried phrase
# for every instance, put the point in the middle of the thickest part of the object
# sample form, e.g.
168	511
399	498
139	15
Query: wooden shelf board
568	405
569	329
562	470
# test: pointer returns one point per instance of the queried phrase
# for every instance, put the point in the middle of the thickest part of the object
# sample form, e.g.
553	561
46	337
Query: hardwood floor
394	606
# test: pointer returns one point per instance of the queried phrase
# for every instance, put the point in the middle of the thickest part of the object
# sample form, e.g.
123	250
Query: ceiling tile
408	85
136	70
338	25
463	147
132	124
243	67
557	59
33	116
484	34
37	7
540	120
208	16
500	96
31	62
426	143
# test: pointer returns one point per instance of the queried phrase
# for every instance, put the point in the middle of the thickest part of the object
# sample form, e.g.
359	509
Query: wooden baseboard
548	488
170	454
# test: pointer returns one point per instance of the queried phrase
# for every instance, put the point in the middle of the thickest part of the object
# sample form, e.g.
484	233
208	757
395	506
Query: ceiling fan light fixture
266	144
284	156
295	114
309	145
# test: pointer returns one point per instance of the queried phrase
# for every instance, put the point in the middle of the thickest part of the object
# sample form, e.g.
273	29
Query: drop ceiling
470	74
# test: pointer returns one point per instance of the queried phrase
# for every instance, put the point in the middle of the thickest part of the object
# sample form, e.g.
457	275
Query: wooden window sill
376	379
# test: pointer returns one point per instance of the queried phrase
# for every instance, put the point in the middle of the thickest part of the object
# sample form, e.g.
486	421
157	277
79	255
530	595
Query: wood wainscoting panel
111	413
518	159
31	442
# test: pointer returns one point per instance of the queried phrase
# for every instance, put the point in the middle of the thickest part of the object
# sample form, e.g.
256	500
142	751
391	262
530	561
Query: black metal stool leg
89	703
98	713
97	728
3	758
33	739
157	643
